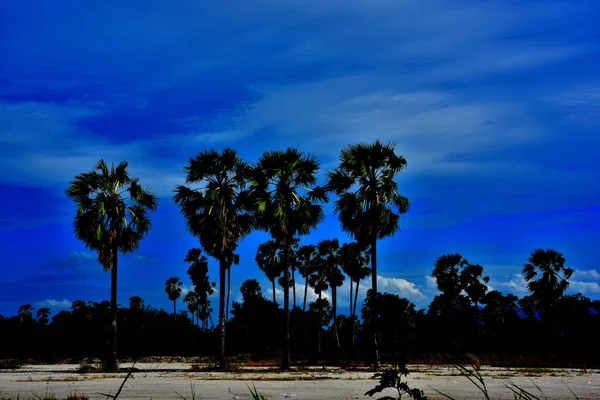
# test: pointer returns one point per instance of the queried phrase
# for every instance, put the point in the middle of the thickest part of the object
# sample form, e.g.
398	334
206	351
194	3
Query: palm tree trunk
285	362
305	291
319	326
112	362
351	310
228	291
354	314
175	309
334	307
222	270
274	297
294	285
374	319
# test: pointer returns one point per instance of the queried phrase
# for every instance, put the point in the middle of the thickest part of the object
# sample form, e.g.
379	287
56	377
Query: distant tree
173	290
306	266
108	222
320	310
279	177
447	273
369	205
198	273
328	253
192	304
251	289
218	212
475	285
548	266
43	315
136	303
25	312
354	261
499	309
267	259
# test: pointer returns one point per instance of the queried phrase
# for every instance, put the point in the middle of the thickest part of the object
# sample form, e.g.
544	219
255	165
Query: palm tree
306	265
284	211
217	212
268	261
112	217
25	312
369	205
198	272
43	315
192	305
329	254
173	290
553	278
354	261
136	303
475	285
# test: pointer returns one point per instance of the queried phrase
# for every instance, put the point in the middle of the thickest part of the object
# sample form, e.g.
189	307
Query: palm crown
106	221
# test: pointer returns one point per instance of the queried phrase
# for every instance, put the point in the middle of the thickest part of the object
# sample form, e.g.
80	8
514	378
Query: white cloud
590	274
399	286
431	282
52	303
515	284
584	287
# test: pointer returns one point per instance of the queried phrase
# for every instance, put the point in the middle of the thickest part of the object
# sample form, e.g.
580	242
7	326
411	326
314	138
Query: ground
177	380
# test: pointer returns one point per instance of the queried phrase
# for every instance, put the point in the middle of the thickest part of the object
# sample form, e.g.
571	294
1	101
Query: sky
494	104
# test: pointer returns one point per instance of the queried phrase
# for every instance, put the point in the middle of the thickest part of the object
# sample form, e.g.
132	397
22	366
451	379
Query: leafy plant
392	379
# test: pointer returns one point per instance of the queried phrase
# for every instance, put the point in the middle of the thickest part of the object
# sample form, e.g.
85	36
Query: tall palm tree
306	264
329	254
369	205
287	207
112	217
268	261
548	266
217	211
354	261
173	290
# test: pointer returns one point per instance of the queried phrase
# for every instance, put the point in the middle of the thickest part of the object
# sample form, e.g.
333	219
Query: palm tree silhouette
112	217
173	290
278	181
369	205
217	211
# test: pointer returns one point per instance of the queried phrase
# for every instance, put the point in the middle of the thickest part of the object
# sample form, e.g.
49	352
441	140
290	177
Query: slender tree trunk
351	309
294	285
334	306
305	291
274	297
374	316
228	291
222	270
112	362
319	325
354	315
285	362
175	309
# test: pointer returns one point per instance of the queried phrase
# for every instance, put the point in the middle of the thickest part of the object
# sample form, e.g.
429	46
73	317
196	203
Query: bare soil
178	380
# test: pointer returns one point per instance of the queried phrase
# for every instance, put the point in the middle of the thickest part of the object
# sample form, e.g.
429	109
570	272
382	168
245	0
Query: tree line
225	198
544	328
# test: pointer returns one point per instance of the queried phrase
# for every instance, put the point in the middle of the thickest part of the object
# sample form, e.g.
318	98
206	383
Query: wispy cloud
53	303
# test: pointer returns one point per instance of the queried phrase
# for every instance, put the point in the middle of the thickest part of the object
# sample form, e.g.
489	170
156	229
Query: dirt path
174	381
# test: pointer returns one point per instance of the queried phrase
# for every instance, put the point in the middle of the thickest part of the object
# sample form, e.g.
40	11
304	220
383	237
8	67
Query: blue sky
495	105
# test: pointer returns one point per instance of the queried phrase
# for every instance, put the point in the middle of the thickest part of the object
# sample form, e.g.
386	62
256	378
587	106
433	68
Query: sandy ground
176	381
